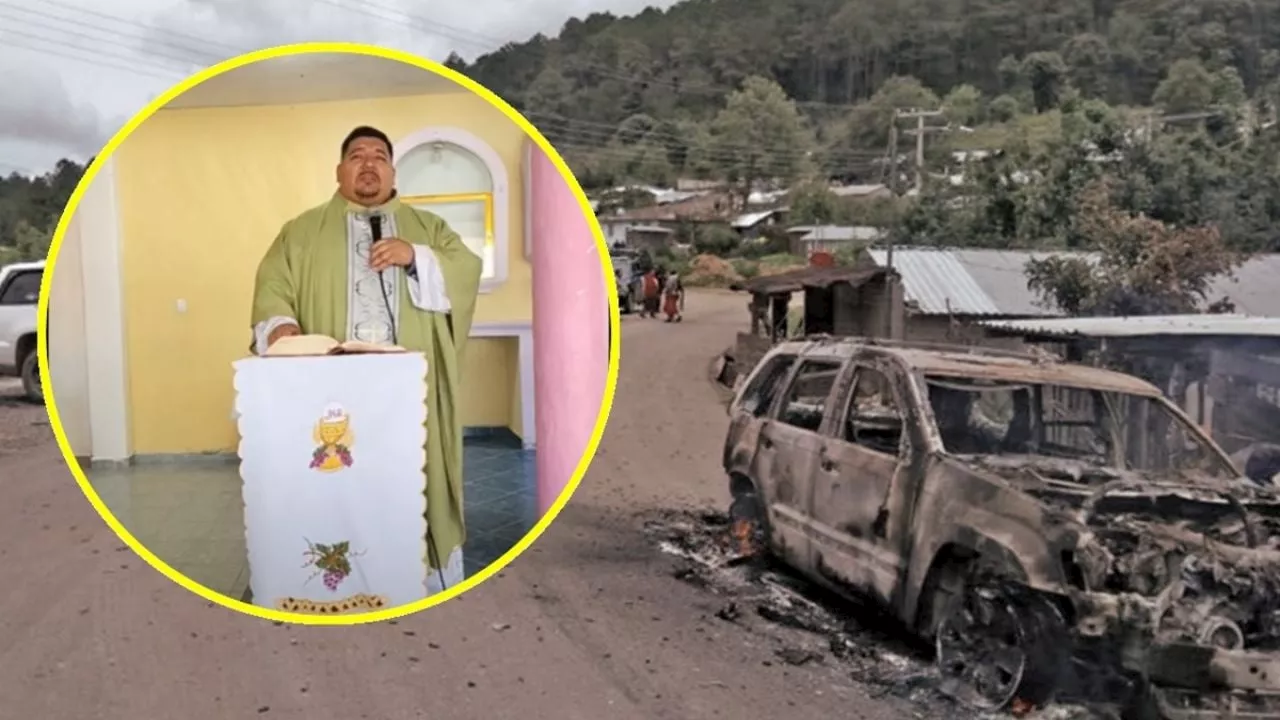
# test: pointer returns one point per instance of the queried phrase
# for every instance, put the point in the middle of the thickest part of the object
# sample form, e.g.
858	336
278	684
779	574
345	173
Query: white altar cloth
333	463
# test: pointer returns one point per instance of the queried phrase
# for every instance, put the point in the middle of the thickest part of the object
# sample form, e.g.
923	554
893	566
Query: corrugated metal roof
762	197
811	277
1002	274
976	282
856	190
1144	326
994	282
841	233
750	219
937	283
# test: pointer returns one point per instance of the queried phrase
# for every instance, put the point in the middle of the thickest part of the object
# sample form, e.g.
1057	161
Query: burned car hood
1190	505
1078	482
1205	550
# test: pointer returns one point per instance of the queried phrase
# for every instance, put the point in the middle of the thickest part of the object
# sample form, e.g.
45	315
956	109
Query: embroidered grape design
333	561
332	580
344	455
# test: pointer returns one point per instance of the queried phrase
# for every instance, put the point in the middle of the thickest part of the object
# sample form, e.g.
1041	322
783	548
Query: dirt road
592	623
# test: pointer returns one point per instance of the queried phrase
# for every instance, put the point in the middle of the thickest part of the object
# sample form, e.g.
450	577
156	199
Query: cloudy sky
75	70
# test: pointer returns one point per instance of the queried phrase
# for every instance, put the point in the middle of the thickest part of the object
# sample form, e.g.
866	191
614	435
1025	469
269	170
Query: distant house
668	208
614	228
861	192
700	208
649	237
691	185
765	198
804	240
749	225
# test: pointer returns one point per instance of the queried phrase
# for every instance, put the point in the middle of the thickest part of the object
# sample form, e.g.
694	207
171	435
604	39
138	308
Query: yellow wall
491	389
204	191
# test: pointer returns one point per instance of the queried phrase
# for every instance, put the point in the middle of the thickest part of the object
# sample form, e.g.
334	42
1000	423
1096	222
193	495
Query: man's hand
390	252
286	330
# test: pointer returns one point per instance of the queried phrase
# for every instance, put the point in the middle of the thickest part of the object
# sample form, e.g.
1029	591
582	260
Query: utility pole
919	132
893	154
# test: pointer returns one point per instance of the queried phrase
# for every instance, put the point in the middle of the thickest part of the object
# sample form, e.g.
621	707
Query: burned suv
1052	528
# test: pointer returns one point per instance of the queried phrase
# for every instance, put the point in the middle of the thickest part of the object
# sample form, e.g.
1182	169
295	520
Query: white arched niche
456	175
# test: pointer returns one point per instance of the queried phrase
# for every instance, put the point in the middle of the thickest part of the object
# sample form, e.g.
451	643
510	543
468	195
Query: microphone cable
375	227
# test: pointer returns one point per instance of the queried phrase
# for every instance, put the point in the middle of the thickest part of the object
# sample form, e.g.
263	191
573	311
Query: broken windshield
1110	429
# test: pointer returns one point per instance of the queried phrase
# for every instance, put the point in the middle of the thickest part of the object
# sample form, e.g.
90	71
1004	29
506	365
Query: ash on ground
758	593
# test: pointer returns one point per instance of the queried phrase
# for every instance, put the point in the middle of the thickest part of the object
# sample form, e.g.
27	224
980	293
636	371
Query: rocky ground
23	425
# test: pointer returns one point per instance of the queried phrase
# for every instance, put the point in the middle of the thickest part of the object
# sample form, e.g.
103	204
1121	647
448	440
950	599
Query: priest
363	266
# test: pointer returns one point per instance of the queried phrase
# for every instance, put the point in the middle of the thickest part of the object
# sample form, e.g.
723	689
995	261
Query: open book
303	345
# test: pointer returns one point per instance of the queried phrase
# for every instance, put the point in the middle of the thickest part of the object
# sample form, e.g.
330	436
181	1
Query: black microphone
375	229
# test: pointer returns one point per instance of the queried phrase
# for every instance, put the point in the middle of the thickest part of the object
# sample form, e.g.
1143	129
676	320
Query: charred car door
750	411
790	446
860	462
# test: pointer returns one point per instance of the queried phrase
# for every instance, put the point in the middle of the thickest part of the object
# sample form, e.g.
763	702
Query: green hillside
637	97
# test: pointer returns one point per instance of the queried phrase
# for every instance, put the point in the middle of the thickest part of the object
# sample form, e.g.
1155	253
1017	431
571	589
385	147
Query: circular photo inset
305	296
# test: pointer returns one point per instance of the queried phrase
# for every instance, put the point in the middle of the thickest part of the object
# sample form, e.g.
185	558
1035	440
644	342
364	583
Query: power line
4	13
493	45
98	58
572	147
395	16
579	134
586	135
150	39
586	130
154	32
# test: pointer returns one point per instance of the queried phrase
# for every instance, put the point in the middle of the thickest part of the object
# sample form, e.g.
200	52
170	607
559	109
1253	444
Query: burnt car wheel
750	525
996	649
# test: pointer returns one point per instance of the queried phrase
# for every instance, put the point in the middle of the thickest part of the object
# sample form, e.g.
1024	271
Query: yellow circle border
606	265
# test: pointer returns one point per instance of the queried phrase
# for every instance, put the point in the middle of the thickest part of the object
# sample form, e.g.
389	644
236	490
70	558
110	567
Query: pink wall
570	325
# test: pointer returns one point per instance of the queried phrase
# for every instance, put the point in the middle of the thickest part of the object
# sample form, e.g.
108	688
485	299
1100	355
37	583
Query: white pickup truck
19	294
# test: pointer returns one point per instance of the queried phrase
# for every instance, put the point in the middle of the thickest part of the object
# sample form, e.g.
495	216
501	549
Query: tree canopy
845	64
30	208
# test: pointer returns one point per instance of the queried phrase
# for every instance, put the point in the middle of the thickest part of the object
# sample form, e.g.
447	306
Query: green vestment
305	275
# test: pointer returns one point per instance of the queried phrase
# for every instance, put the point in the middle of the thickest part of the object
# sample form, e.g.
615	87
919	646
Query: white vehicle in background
19	295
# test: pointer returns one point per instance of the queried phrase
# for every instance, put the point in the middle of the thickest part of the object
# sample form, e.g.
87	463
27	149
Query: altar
333	464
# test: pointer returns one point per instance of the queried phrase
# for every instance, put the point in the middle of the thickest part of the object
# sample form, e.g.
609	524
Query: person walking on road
673	306
651	293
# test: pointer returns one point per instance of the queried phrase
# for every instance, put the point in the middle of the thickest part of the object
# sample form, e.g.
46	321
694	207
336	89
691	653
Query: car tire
749	506
30	373
1033	629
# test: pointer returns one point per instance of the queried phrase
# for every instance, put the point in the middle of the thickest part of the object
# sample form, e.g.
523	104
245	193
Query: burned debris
756	588
846	637
1049	528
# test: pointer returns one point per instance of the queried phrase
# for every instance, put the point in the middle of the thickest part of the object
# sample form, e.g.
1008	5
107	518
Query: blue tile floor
191	514
501	498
